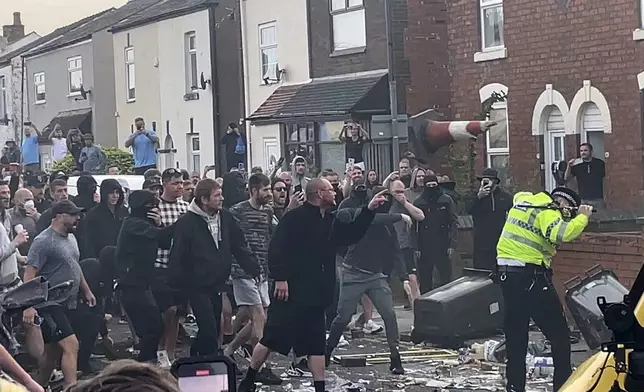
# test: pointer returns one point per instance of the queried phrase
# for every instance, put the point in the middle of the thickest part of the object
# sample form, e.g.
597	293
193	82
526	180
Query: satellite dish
84	92
204	83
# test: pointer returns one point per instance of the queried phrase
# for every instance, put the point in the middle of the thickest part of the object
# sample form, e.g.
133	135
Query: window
39	85
3	97
192	80
497	145
130	75
593	129
195	153
75	71
268	52
349	30
491	24
300	139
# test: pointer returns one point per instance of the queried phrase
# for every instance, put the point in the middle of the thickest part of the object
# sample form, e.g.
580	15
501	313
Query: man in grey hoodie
299	168
205	240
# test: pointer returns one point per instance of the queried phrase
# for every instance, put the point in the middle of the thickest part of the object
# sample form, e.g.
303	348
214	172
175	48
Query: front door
556	150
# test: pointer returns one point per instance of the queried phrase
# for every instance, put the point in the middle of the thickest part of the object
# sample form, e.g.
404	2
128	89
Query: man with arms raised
301	260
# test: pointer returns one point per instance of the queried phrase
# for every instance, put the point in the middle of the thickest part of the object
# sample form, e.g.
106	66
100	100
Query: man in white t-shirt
59	144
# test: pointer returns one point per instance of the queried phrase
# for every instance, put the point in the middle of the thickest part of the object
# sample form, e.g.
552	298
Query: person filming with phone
589	172
489	208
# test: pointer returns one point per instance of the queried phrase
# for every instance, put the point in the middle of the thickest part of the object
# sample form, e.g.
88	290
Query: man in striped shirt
171	207
255	219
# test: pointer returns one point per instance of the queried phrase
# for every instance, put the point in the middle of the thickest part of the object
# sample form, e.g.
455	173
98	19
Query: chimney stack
14	32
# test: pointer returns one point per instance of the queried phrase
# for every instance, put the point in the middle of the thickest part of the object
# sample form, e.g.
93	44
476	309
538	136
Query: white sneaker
56	376
163	361
352	323
371	328
342	342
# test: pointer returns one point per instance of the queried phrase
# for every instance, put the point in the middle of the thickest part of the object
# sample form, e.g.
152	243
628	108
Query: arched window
590	117
168	145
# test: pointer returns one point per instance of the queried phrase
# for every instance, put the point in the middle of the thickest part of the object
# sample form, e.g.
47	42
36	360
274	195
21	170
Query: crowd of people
201	249
290	256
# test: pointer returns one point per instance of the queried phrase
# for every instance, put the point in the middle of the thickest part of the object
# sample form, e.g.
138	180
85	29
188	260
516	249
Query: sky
43	16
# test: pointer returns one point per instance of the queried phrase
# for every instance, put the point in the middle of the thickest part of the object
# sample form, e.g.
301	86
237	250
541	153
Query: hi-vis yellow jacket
532	235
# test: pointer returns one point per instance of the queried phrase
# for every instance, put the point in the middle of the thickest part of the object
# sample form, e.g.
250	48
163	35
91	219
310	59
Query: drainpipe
393	92
214	86
22	101
246	79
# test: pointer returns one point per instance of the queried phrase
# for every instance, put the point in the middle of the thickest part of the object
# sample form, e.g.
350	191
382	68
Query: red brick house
573	71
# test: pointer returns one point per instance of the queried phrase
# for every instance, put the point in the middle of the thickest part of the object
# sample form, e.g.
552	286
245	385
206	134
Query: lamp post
393	92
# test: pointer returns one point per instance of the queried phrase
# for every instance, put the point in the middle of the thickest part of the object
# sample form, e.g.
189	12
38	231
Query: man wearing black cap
536	225
435	235
154	185
37	187
489	208
54	255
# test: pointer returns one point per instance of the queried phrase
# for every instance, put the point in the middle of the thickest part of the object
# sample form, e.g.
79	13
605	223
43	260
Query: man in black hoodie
489	211
435	235
86	187
362	273
205	239
301	260
233	189
102	223
136	252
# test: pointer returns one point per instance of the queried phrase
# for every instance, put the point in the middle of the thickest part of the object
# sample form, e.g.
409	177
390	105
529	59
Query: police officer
536	225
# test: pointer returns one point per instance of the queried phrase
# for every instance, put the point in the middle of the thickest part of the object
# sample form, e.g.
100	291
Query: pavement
430	369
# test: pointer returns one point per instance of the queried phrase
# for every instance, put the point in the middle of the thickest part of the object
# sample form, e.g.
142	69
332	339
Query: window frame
4	107
194	153
347	9
505	151
130	70
269	46
287	143
484	5
37	83
71	70
190	57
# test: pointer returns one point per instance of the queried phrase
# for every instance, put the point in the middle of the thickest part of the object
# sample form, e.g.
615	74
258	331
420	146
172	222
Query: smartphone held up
208	373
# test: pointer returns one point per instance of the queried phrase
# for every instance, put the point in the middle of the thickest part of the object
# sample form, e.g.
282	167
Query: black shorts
164	295
410	261
290	326
57	324
139	171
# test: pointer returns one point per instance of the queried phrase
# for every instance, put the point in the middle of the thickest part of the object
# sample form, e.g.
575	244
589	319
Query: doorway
555	145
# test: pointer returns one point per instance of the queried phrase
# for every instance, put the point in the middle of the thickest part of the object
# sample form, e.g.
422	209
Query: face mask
432	191
361	195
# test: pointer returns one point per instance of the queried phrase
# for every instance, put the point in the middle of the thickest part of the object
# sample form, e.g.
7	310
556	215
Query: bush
115	157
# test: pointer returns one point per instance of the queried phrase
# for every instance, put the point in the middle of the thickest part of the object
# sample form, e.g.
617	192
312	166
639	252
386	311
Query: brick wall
546	45
326	63
623	253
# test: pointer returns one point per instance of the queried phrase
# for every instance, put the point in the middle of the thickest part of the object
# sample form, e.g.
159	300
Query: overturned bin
468	308
581	299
